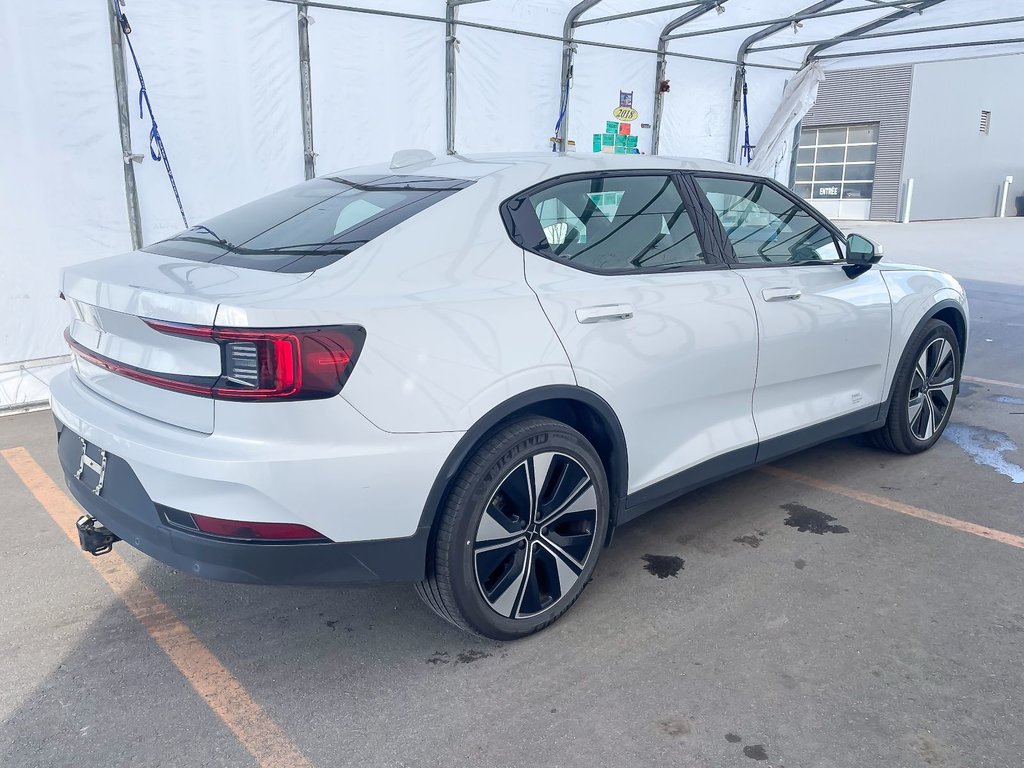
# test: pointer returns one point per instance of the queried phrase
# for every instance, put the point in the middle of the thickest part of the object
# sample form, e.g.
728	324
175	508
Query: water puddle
986	447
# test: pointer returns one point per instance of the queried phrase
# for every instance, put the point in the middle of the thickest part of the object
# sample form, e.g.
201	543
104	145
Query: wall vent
986	121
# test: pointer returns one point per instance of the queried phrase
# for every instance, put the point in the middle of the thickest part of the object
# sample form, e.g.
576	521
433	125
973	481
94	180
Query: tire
924	391
507	561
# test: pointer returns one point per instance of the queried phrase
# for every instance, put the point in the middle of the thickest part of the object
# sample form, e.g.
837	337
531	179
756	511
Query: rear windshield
310	225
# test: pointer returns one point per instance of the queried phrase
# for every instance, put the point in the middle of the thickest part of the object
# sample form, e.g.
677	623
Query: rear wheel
924	391
521	532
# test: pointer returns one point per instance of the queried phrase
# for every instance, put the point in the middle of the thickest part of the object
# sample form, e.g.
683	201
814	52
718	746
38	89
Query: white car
465	372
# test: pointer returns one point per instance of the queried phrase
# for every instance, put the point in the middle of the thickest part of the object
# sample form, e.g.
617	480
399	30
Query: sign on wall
618	137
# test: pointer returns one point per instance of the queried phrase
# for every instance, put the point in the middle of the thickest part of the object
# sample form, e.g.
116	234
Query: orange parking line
223	693
896	506
993	382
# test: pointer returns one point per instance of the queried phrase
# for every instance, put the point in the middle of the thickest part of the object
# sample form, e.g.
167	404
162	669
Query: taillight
256	363
236	529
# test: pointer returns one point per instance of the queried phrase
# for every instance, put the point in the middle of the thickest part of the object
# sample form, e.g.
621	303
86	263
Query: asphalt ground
715	632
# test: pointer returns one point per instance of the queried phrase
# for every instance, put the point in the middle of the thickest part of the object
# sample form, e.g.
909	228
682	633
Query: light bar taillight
256	364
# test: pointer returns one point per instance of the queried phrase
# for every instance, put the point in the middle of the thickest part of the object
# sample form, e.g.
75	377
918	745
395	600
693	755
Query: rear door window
613	224
310	225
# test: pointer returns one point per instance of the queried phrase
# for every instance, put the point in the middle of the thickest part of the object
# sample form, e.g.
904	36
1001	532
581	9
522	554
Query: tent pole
787	20
522	32
131	189
565	75
741	69
851	37
914	48
662	67
451	13
306	94
451	43
864	29
641	12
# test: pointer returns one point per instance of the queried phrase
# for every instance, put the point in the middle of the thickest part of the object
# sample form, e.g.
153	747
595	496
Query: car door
650	318
824	328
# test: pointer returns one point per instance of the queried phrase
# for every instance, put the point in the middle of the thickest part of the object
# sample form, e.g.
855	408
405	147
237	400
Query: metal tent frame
696	9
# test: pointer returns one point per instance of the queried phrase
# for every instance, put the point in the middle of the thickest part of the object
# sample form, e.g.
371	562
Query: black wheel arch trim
930	315
617	479
959	309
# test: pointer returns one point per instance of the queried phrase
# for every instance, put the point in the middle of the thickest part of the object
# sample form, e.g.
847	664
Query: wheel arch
582	409
952	314
949	311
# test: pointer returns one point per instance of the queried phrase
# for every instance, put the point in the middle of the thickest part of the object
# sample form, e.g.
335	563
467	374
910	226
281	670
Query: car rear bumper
124	507
317	463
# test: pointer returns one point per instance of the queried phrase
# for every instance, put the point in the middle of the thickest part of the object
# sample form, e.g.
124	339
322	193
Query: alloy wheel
931	389
535	535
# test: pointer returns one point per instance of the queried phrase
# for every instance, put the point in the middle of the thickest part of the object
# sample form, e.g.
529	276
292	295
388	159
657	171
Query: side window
766	227
617	223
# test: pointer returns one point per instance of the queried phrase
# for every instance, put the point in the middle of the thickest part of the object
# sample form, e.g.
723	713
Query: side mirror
862	251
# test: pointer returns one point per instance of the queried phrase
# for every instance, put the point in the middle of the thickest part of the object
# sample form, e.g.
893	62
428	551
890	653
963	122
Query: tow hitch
94	537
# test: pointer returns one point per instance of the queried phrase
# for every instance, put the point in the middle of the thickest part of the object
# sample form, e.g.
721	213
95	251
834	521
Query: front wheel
521	532
924	391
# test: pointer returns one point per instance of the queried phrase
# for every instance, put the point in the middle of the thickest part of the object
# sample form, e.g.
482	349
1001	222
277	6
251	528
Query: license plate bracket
94	467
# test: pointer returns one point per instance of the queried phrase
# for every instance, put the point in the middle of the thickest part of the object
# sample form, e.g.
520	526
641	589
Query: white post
908	199
1004	196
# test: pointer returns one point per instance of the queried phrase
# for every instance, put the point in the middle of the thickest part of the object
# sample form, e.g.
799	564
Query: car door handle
781	294
604	312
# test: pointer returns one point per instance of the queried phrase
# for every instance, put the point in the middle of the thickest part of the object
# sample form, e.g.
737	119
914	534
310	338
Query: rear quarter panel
452	328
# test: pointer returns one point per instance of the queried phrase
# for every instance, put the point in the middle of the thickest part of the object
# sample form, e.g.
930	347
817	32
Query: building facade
954	127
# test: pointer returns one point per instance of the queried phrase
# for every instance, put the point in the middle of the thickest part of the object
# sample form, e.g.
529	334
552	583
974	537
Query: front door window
766	227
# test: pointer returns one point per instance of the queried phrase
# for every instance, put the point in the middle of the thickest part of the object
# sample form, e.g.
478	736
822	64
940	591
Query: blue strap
748	148
156	143
561	114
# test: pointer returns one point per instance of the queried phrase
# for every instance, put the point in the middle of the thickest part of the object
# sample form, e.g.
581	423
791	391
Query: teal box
608	139
597	142
621	150
631	141
611	127
620	140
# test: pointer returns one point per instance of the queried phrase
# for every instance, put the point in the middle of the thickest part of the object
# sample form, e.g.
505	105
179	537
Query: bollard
1004	196
908	199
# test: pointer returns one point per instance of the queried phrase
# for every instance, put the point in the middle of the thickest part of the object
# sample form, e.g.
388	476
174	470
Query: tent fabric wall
223	76
61	183
503	106
369	102
224	80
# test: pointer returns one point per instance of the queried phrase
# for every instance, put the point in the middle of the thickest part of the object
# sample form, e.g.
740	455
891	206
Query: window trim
727	251
526	229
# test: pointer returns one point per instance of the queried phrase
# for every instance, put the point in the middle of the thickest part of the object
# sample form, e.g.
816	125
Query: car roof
547	164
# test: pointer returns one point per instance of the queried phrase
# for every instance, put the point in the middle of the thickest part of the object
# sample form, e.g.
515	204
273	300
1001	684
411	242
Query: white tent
225	78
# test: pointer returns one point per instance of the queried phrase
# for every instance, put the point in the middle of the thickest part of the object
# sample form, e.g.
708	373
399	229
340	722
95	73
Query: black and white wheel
924	391
521	532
